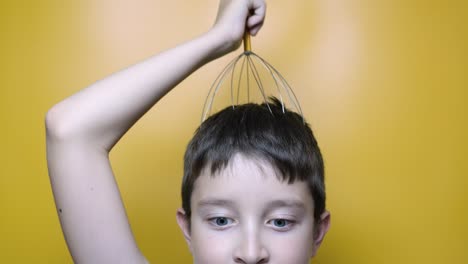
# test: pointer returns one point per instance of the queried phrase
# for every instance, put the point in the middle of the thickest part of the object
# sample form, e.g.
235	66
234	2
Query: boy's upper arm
89	205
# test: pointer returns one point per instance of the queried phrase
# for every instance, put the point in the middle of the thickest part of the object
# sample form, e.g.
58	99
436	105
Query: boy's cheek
211	246
292	248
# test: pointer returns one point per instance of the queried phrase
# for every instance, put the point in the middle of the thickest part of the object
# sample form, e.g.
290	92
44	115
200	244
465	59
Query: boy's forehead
247	179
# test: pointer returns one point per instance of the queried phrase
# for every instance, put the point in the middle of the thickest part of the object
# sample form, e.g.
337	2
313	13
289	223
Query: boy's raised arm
82	129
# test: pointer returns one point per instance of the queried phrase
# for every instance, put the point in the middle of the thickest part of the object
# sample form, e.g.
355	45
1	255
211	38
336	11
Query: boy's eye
221	221
281	224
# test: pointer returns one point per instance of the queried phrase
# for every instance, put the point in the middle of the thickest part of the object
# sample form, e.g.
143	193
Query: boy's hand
235	16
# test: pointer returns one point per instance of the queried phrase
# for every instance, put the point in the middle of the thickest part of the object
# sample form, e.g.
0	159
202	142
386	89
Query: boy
253	187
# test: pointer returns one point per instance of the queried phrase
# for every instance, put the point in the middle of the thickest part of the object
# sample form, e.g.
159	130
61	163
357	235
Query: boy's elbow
56	128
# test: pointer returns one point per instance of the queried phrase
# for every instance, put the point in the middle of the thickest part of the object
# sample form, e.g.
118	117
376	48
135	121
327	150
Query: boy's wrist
221	42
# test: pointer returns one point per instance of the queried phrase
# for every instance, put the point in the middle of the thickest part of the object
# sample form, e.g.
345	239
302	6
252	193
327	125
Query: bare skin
82	130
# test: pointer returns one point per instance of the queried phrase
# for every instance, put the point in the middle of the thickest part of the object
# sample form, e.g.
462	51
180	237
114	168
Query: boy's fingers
255	21
253	31
259	7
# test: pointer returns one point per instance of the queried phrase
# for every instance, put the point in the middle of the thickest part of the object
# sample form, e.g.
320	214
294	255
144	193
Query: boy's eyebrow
215	202
286	203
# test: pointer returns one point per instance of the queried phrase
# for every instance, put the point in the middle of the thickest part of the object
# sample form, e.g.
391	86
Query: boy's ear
184	224
320	230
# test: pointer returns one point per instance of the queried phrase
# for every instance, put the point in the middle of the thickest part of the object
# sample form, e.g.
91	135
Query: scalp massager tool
248	74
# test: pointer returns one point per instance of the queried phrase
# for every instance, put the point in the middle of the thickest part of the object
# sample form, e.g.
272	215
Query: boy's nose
251	251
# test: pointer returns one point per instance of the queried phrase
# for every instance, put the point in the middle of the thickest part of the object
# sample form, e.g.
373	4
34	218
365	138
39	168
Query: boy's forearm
105	110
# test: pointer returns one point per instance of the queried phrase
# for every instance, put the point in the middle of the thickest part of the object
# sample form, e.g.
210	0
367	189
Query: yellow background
383	84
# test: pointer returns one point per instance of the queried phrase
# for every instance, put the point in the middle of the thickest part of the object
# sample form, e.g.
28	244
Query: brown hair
283	139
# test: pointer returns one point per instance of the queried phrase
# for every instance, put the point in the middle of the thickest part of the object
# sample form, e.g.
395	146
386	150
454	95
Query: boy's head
254	181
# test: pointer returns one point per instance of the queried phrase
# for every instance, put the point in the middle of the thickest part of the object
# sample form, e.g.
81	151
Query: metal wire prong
220	76
240	78
232	81
275	78
217	81
258	81
288	89
248	81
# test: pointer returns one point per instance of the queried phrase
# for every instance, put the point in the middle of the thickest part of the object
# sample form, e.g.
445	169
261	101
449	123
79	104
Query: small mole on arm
60	210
